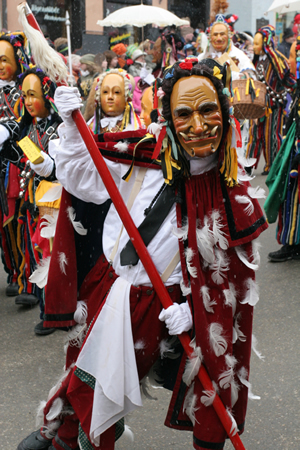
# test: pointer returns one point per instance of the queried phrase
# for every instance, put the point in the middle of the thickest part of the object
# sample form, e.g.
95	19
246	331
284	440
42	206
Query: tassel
217	341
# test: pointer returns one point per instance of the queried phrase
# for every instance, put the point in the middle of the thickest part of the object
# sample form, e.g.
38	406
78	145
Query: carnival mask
196	115
33	96
219	37
258	44
112	97
146	106
8	65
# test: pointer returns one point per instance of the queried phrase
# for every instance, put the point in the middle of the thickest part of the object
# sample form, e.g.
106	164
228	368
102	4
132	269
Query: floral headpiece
18	41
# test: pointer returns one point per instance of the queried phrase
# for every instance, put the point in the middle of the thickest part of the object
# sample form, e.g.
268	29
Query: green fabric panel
85	378
83	440
277	180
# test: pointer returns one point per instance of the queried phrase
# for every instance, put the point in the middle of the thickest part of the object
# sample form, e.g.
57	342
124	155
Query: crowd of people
161	115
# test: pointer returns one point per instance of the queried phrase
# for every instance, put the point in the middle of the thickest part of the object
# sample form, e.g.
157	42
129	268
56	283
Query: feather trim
256	192
205	243
193	364
40	275
220	265
139	345
78	227
189	404
63	262
218	234
155	129
255	251
144	385
48	225
243	176
76	335
121	146
55	409
245	162
40	413
242	255
57	386
254	348
244	200
167	348
217	341
234	392
252	293
208	398
230	299
128	434
50	430
181	233
207	302
185	290
239	334
81	312
243	377
226	377
189	254
234	427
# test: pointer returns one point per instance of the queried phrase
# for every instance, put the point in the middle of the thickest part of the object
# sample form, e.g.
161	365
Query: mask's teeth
214	130
184	136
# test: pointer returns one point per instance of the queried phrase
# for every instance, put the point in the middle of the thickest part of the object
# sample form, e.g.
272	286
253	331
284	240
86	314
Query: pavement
31	365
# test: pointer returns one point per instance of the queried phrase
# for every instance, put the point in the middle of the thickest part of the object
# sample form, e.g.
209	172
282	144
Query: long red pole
147	261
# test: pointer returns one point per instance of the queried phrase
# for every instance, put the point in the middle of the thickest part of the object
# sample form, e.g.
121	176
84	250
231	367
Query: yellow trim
294	217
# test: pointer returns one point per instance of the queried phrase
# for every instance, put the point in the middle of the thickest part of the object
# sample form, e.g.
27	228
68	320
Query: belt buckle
50	130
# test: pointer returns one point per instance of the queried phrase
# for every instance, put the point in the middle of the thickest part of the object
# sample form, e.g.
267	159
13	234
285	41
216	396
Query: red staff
40	58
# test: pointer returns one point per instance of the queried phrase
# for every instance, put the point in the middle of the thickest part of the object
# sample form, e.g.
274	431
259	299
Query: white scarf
110	122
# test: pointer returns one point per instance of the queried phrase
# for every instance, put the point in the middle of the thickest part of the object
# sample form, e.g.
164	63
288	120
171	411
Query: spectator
285	46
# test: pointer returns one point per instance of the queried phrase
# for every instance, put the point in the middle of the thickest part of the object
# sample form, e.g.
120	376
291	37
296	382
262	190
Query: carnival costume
198	218
10	110
273	69
283	184
31	244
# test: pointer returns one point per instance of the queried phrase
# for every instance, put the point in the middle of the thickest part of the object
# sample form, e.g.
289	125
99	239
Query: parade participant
146	106
39	122
283	183
13	61
88	70
220	42
190	201
266	133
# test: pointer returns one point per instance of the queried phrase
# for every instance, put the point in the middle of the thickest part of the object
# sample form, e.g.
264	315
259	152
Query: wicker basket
244	107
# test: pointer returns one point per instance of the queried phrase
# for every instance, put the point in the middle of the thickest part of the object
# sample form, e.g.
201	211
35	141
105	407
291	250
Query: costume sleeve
75	169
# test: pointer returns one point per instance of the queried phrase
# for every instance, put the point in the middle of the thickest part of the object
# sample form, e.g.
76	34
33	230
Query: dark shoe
12	290
265	172
285	253
26	300
35	441
40	330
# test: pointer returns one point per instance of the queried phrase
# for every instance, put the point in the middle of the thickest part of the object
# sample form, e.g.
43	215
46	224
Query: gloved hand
45	168
4	134
67	99
178	318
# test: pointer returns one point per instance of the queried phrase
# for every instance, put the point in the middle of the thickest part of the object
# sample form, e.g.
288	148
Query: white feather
40	413
243	176
252	293
139	345
56	409
76	335
243	377
167	349
50	430
205	244
230	299
226	377
40	275
121	146
44	56
234	427
256	192
217	341
254	348
54	193
207	302
245	162
255	251
181	233
219	235
244	200
234	392
48	225
239	334
57	386
155	129
155	382
80	315
189	405
63	262
128	434
233	298
189	254
193	364
242	255
78	227
208	398
220	265
185	290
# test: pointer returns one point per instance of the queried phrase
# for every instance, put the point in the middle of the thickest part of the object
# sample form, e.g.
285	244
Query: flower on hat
186	65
